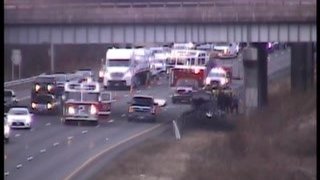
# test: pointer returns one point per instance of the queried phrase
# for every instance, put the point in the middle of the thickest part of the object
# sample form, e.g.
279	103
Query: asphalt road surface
52	150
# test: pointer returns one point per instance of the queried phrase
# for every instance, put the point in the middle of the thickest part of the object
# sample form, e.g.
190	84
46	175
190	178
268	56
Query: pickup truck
143	107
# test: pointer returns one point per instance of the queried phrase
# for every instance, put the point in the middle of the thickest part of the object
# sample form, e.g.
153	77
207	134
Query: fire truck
84	102
189	75
190	64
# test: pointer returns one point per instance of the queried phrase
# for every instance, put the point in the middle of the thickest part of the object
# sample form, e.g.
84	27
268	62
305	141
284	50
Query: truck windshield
215	74
187	83
43	99
76	96
119	62
90	97
8	94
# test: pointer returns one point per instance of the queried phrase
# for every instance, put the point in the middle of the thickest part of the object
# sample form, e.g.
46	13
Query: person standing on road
235	104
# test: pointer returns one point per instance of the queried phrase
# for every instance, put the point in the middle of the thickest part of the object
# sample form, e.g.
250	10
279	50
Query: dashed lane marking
17	135
29	158
107	139
84	131
111	121
123	115
90	160
48	124
98	126
19	166
6	173
43	150
70	137
55	144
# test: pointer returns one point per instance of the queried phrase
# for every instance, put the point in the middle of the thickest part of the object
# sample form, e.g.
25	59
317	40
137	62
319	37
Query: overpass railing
14	4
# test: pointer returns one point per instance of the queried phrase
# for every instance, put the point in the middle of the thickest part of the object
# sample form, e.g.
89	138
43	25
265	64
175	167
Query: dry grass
278	142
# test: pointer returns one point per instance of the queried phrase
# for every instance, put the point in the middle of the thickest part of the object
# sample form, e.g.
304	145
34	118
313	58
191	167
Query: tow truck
85	102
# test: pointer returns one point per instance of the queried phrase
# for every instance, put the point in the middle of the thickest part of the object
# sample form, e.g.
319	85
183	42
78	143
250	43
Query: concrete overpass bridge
160	22
255	21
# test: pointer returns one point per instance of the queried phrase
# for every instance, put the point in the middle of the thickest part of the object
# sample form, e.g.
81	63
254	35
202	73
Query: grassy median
278	142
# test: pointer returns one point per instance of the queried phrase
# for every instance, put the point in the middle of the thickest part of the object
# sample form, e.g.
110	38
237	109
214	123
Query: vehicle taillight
130	109
37	87
49	87
93	109
33	105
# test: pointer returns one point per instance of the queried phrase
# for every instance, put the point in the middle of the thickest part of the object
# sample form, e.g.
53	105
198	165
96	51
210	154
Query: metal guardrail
19	81
34	4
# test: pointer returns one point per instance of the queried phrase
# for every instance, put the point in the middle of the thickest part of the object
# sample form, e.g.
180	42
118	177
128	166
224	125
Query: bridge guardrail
20	81
48	4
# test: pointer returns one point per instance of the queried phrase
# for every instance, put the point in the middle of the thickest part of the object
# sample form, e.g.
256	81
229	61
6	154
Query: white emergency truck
226	50
126	67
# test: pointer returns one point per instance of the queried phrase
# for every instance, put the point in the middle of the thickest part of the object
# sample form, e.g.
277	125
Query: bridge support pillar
302	66
255	76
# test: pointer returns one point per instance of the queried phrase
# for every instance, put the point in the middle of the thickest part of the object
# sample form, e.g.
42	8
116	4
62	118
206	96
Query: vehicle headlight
37	87
107	75
6	129
33	105
207	81
9	119
93	109
49	105
71	110
223	81
127	74
49	87
28	119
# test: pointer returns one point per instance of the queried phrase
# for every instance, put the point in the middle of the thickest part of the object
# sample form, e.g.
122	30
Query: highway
52	150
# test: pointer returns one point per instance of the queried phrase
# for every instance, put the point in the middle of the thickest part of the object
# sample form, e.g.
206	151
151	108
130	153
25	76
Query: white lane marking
6	173
111	121
19	166
107	139
31	129
126	95
90	160
98	126
29	158
43	150
70	137
55	144
17	135
123	115
24	98
84	131
48	124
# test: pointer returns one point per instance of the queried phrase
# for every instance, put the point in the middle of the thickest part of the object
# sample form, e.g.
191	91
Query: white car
6	131
217	77
19	117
